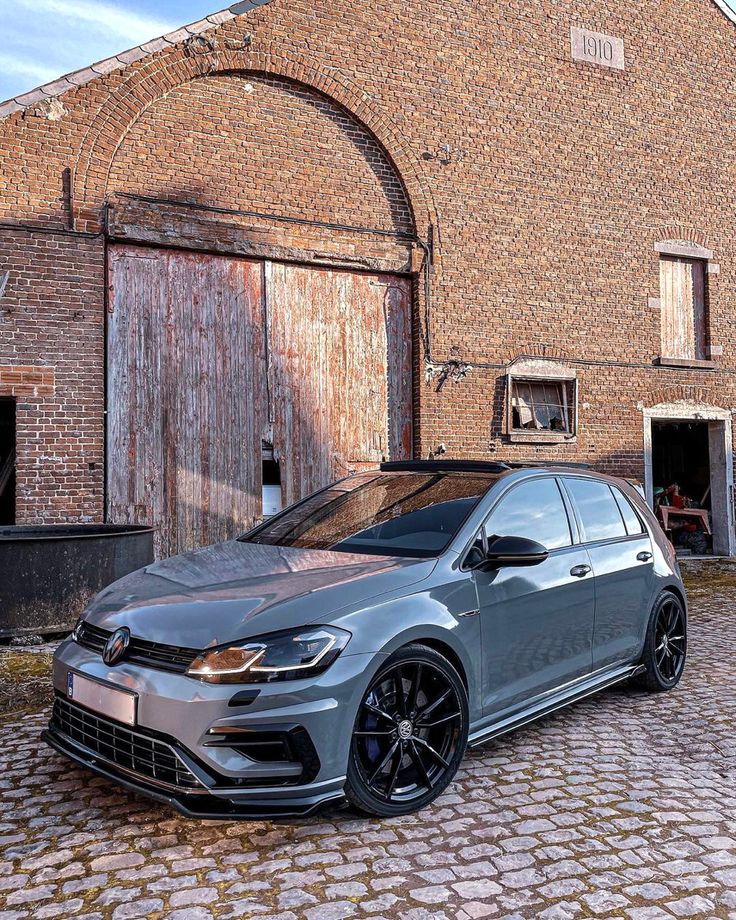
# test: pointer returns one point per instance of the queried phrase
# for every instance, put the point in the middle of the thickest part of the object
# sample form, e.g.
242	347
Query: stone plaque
597	48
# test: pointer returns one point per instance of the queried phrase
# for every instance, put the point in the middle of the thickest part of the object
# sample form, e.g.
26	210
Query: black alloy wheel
666	645
410	734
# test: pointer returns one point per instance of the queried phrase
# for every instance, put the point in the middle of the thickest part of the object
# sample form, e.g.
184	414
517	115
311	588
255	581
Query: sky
44	39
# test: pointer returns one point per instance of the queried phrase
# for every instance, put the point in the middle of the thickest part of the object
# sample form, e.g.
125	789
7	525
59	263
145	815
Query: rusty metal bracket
199	44
203	46
454	370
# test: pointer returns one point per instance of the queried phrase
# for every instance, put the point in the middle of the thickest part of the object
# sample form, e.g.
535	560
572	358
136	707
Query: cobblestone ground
622	806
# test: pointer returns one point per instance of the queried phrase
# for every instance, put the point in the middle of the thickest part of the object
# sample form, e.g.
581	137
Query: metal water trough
49	573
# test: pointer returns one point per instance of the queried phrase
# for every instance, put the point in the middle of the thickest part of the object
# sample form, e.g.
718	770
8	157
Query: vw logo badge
406	730
116	646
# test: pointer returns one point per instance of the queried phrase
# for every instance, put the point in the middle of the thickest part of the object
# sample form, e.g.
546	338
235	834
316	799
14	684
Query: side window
631	518
599	515
535	510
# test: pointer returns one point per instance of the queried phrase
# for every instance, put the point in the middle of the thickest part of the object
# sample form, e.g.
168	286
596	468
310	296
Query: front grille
127	749
175	658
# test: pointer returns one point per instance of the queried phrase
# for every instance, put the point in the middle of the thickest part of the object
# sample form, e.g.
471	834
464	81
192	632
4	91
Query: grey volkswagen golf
354	645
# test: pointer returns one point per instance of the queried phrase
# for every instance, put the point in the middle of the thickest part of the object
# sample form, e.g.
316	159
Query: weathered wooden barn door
186	394
209	355
682	283
340	372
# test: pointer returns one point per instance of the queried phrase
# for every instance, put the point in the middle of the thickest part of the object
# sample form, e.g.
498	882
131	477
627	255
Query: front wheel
665	649
410	734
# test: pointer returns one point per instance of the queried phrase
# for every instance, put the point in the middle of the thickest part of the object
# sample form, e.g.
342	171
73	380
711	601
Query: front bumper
179	750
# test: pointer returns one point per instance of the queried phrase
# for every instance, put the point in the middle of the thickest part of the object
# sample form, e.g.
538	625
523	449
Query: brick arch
672	232
680	393
259	143
152	79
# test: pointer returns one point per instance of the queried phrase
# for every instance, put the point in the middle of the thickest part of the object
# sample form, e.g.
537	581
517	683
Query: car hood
235	590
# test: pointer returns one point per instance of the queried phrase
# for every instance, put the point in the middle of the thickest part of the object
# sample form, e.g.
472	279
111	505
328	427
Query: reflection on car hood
235	590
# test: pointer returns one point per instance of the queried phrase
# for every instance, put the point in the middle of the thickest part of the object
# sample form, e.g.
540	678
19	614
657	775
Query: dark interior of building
7	461
681	478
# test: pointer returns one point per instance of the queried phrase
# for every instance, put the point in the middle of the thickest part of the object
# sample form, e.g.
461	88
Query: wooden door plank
340	367
186	394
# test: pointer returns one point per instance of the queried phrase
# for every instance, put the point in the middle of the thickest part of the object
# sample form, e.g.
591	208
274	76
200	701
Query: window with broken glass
542	405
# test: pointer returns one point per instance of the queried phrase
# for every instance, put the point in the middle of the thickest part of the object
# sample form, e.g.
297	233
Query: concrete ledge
695	363
683	248
541	437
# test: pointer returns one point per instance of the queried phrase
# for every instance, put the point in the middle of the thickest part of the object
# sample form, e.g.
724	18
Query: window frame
569	386
627	537
480	532
624	498
576	527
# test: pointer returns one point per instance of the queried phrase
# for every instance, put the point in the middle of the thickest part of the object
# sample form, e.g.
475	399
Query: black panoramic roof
473	466
445	466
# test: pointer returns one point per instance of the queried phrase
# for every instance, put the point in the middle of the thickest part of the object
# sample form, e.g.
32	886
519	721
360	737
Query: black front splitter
203	805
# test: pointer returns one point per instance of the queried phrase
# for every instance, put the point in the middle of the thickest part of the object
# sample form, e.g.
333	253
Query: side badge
70	685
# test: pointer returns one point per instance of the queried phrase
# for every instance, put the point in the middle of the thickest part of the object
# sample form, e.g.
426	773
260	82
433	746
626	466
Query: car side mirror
513	551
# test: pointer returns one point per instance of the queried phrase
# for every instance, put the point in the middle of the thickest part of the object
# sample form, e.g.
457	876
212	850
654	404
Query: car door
536	621
620	552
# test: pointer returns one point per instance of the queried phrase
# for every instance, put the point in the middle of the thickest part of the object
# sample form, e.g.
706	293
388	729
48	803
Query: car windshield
396	514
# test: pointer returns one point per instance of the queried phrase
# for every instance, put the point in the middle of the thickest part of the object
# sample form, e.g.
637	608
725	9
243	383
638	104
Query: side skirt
552	705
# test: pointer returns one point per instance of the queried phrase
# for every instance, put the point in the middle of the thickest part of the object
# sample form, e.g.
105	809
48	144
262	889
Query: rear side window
599	516
631	518
534	510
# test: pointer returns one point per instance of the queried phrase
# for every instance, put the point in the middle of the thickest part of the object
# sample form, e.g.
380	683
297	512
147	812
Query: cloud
107	18
26	68
43	39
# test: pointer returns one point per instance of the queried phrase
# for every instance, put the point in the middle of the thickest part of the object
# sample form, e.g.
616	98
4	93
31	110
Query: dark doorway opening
682	479
271	473
7	460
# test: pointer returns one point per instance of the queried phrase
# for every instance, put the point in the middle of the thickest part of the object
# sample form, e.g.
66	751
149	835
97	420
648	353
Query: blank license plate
117	704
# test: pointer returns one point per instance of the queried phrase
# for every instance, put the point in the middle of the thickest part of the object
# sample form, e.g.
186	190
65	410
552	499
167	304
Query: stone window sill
698	364
541	437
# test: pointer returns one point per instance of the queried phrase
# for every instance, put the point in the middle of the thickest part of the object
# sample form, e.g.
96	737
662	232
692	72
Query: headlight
279	656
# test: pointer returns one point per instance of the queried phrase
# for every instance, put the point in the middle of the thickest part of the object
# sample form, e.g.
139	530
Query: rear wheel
410	734
665	649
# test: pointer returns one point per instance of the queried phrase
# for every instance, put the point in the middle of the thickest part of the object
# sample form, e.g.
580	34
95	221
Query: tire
409	736
664	659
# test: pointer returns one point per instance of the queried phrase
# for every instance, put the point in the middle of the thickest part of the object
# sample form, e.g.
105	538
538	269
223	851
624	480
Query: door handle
580	571
644	556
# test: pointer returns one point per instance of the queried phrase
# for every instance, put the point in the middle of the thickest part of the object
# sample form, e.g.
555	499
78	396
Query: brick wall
547	183
51	361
